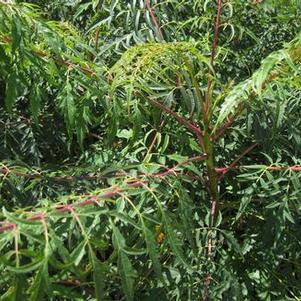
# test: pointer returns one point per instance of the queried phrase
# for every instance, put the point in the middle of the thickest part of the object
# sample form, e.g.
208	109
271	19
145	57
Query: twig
208	148
97	39
69	282
62	179
154	19
154	140
7	226
140	182
224	170
110	193
284	168
65	179
6	171
93	135
190	126
213	50
295	55
295	168
172	170
57	60
228	123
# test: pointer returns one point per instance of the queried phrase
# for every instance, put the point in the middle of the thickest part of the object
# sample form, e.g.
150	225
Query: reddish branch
233	165
37	217
69	282
230	120
154	19
212	175
284	168
57	60
213	50
150	148
216	31
172	170
220	170
6	171
224	170
111	193
190	126
7	226
95	199
295	168
295	55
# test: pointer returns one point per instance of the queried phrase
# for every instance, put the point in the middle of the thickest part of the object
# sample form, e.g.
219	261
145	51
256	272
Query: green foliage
118	133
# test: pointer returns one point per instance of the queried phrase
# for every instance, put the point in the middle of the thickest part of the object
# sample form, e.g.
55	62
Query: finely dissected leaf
241	92
132	75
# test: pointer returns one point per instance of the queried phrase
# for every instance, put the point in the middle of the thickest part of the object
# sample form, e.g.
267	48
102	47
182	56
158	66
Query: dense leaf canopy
150	150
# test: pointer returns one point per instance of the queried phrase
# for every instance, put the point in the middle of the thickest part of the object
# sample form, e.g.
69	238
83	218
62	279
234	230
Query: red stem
57	60
154	19
172	170
208	148
296	168
213	50
154	139
37	217
228	123
134	183
190	126
236	161
6	171
7	227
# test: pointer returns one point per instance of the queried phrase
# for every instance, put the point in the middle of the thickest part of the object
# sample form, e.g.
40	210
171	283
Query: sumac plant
143	157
